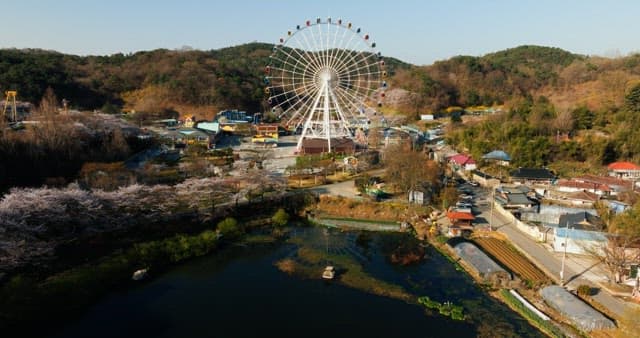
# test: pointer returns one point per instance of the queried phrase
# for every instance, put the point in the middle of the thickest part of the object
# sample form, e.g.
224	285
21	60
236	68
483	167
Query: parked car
464	205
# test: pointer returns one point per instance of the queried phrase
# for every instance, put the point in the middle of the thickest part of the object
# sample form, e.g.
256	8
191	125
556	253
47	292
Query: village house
464	162
580	232
497	156
616	185
461	223
624	170
514	198
599	189
532	176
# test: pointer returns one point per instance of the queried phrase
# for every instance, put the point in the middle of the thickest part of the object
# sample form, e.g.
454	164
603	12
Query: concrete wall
531	230
578	241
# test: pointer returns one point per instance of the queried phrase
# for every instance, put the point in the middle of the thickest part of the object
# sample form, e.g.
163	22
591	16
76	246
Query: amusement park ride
10	101
322	77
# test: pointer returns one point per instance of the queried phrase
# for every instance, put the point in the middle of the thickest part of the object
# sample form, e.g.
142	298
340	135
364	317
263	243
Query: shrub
584	290
280	218
229	228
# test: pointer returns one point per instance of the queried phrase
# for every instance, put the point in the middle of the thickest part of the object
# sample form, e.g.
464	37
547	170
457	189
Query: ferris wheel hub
327	75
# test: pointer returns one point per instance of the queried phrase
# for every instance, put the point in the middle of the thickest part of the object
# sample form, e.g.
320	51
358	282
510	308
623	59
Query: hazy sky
416	31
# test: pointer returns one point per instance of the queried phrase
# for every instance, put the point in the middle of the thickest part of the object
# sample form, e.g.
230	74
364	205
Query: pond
244	291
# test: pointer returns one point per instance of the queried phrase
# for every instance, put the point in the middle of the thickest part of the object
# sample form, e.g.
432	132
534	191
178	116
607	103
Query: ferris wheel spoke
312	53
364	74
329	46
295	91
344	49
337	47
317	46
285	62
300	89
347	104
356	61
361	96
287	75
292	110
300	112
354	45
322	49
350	98
309	60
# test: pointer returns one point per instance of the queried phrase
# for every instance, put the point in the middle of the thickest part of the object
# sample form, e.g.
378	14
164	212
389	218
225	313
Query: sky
415	31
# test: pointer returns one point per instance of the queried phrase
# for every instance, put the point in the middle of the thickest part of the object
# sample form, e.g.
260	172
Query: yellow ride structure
11	100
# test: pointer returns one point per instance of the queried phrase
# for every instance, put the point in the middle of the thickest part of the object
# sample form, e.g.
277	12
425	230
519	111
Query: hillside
546	92
568	80
159	81
191	81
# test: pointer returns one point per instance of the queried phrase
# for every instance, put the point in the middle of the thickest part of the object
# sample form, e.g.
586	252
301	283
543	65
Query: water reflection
240	292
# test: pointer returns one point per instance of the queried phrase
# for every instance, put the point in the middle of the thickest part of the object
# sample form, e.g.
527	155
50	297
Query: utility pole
564	254
493	200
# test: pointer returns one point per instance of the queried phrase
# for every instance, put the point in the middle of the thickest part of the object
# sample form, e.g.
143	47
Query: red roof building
463	161
616	185
601	189
624	170
460	217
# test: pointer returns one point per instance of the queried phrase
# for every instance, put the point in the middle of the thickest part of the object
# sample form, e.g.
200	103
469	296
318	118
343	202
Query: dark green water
238	292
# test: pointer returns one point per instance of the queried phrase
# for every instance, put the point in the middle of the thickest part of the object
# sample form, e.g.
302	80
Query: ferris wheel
322	77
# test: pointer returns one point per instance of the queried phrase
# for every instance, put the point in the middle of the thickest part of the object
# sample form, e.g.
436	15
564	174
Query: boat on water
139	274
329	272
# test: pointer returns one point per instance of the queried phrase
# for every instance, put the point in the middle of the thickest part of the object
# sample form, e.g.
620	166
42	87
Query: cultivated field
511	259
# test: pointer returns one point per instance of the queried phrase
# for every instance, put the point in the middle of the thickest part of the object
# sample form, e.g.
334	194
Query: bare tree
622	247
49	103
259	155
407	169
564	122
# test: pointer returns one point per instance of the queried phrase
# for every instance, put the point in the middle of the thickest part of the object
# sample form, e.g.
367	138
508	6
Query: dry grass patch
357	209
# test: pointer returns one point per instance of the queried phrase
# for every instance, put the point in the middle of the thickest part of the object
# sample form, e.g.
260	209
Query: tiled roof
583	185
608	180
457	215
623	166
497	155
461	159
583	196
532	173
581	220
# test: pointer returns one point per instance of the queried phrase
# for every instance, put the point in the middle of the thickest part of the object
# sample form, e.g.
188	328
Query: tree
583	117
408	169
621	248
49	102
632	99
109	108
229	228
259	155
448	196
280	218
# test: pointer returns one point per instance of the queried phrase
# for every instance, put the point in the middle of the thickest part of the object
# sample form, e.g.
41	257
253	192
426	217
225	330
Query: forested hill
191	81
567	80
187	81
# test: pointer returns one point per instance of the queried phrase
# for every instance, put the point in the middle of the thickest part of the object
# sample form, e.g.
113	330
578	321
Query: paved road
574	271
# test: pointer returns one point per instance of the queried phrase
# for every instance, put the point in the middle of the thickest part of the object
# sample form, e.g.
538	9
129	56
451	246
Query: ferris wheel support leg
307	123
327	115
